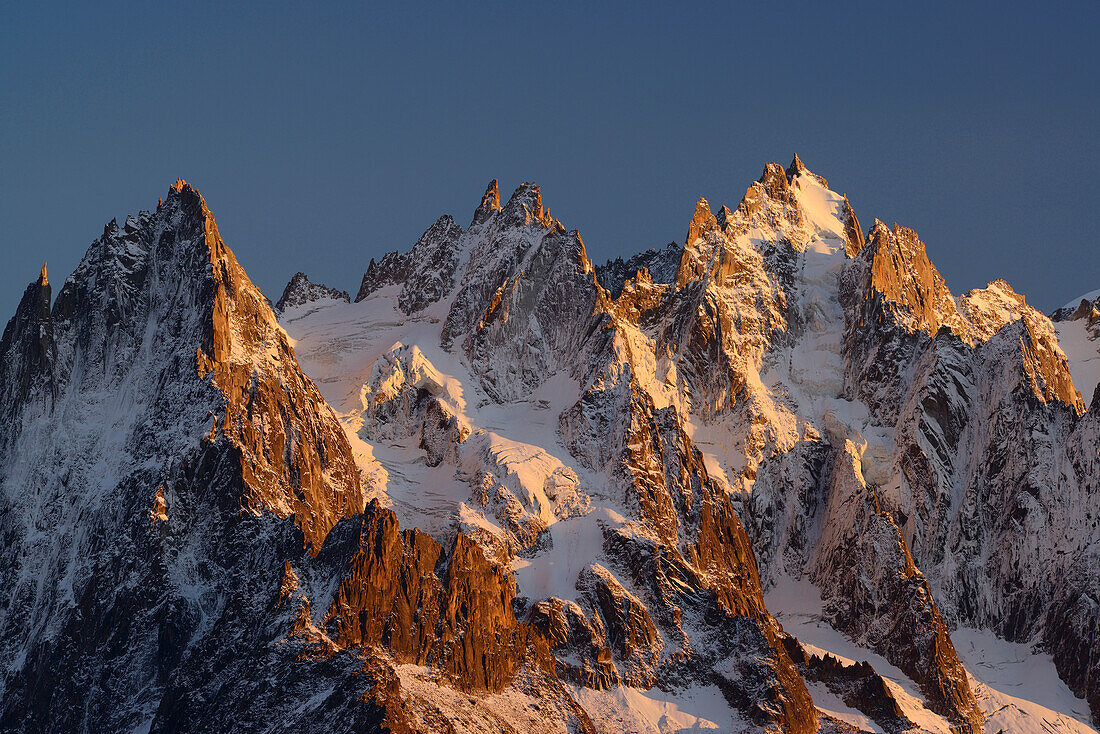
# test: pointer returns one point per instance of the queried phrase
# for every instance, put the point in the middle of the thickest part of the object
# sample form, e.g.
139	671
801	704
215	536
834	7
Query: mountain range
776	477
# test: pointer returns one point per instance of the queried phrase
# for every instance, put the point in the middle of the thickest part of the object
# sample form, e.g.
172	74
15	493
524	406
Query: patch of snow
575	543
1090	296
1017	688
1083	354
829	703
636	711
427	699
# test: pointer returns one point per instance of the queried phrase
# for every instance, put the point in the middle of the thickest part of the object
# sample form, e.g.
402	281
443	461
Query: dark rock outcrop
425	273
660	264
300	291
28	353
874	593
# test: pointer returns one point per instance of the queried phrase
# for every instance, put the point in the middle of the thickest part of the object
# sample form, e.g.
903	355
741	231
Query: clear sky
323	135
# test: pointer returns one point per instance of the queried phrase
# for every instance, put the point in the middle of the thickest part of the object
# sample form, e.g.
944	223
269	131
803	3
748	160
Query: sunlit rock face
507	489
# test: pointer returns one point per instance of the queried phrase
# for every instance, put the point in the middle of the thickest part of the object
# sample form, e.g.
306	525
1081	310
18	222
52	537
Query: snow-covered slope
1078	327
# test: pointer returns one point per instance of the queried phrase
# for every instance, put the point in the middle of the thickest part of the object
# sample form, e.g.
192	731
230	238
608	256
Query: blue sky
323	135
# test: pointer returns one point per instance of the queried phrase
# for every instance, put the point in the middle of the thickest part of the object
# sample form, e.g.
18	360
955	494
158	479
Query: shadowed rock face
857	684
661	265
875	593
425	273
300	291
28	353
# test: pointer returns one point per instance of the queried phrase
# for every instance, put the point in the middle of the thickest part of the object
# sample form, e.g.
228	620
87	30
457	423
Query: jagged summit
797	167
524	207
774	180
490	203
426	272
28	352
160	384
906	279
164	285
301	291
701	221
661	265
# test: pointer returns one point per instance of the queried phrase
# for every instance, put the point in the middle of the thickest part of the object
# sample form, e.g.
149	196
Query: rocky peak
769	201
988	309
910	288
660	264
300	290
798	168
1045	369
189	200
425	273
775	182
519	258
719	249
701	222
696	256
167	294
531	303
180	454
906	281
27	349
852	230
1087	307
524	208
490	203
